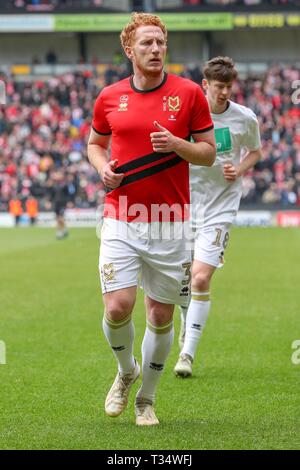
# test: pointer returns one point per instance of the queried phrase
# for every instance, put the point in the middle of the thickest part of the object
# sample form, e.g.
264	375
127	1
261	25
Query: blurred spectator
15	209
32	209
51	57
58	189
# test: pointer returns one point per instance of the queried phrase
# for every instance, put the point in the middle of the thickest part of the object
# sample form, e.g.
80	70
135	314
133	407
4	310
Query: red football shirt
154	182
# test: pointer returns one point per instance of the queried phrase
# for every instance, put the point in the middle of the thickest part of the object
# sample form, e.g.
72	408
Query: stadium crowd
44	128
276	178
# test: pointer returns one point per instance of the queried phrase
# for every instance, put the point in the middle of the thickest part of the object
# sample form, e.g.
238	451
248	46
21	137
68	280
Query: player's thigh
201	275
210	244
166	272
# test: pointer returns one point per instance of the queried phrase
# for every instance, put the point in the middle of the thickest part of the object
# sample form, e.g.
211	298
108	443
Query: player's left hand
162	141
230	172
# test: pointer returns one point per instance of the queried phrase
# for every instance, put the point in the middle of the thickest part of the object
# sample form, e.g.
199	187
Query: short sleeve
251	139
201	120
99	122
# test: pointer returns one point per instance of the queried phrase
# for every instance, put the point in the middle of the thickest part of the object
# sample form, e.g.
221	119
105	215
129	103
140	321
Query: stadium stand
76	6
45	123
61	6
230	5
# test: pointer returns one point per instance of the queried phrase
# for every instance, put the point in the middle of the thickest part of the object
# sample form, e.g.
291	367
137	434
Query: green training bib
223	140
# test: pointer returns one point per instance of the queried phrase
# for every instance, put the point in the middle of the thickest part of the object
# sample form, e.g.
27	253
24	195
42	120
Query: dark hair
221	69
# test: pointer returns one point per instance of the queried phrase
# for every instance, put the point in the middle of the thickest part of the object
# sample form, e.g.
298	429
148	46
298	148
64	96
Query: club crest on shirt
173	103
123	107
108	272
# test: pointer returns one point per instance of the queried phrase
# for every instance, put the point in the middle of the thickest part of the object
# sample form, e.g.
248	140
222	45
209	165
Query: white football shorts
149	254
210	244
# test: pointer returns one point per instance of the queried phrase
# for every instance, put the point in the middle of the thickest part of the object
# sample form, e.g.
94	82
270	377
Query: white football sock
183	313
120	336
196	318
156	346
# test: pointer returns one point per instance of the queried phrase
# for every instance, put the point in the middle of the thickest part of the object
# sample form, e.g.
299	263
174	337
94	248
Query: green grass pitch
244	393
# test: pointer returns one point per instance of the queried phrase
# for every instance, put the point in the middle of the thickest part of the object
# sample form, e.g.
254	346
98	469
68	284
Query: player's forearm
198	153
248	162
98	156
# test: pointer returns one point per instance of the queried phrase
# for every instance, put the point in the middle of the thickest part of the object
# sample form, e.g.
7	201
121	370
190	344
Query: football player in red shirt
148	120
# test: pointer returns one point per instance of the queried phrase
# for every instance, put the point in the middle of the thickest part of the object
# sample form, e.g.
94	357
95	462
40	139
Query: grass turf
244	393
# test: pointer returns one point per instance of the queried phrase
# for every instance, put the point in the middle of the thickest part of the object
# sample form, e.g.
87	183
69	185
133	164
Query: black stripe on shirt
149	171
144	160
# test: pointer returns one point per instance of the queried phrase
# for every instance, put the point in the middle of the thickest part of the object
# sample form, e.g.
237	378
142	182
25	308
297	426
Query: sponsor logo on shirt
184	292
123	105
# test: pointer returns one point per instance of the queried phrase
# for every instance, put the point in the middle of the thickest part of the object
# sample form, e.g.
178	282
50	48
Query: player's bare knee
158	313
118	307
117	311
201	281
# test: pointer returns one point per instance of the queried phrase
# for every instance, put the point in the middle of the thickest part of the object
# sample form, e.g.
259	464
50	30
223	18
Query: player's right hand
230	172
109	177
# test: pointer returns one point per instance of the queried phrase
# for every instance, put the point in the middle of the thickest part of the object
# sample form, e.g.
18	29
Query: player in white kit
215	197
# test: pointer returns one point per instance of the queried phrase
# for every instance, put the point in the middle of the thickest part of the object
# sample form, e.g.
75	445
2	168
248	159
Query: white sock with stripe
195	321
156	346
120	336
